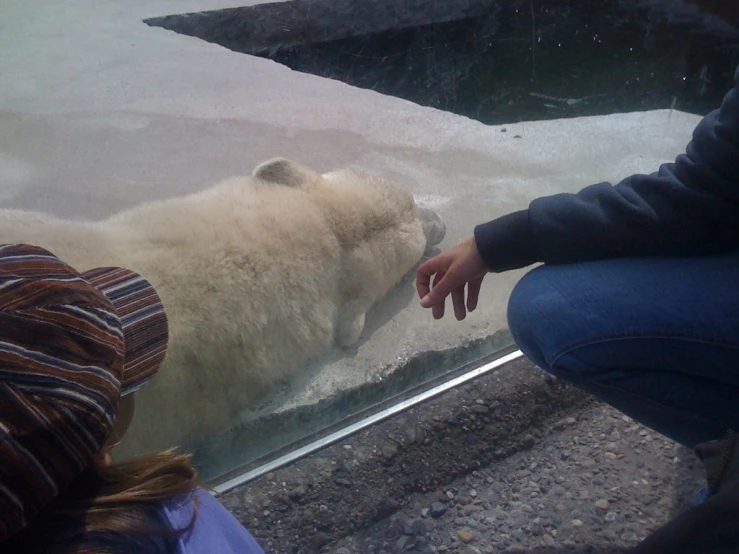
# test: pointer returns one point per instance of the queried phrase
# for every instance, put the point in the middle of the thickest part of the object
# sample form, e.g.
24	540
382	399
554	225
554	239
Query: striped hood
71	345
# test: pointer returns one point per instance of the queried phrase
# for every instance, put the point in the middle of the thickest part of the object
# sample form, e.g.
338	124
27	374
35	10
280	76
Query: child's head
126	410
73	350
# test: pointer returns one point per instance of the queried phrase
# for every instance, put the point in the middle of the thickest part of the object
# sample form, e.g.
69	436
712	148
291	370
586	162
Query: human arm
686	208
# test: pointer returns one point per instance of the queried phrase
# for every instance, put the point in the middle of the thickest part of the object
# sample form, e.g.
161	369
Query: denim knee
526	306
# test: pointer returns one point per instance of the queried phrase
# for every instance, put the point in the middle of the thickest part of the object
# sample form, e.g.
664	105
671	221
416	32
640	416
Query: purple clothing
215	529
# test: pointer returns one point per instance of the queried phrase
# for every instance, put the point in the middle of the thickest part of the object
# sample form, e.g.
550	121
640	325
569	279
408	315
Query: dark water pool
495	61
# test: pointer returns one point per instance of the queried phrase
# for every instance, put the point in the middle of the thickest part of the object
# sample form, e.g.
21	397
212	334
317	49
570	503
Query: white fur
258	279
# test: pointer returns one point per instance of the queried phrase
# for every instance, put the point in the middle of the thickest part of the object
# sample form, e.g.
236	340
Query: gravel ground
600	484
514	461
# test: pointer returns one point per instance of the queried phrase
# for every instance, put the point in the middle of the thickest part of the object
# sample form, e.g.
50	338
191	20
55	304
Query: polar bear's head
381	232
345	185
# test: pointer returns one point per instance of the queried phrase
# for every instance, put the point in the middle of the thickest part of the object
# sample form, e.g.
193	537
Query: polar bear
259	275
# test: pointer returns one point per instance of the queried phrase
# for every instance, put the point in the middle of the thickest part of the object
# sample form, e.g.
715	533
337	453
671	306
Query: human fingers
424	273
440	290
446	279
437	308
458	303
473	293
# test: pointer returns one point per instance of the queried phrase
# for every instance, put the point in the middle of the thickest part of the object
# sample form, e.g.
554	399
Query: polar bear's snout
433	227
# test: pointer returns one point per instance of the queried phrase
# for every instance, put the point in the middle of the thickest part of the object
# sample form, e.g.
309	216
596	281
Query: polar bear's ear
284	172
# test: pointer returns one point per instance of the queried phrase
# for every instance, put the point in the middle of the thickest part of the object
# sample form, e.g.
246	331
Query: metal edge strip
359	425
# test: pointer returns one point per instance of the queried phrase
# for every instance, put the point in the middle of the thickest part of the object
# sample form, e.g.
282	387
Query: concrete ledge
280	427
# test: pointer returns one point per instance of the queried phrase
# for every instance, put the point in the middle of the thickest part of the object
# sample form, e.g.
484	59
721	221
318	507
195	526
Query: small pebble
465	536
389	451
319	539
437	509
515	547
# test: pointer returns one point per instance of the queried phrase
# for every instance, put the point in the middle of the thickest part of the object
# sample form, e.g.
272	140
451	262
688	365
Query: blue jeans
657	338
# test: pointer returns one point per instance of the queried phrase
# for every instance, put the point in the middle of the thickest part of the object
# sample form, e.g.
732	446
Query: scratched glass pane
499	62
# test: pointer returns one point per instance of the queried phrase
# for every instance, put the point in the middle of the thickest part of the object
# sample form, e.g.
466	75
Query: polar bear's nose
433	227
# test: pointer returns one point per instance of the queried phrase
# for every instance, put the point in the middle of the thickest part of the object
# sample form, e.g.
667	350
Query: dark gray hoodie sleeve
687	208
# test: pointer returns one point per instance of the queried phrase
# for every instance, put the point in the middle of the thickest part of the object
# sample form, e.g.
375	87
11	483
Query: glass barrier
292	303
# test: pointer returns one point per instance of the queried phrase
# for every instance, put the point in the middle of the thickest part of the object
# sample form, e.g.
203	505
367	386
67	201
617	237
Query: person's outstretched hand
451	271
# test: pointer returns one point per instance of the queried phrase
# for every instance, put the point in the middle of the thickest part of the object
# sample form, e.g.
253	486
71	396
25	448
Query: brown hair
108	509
